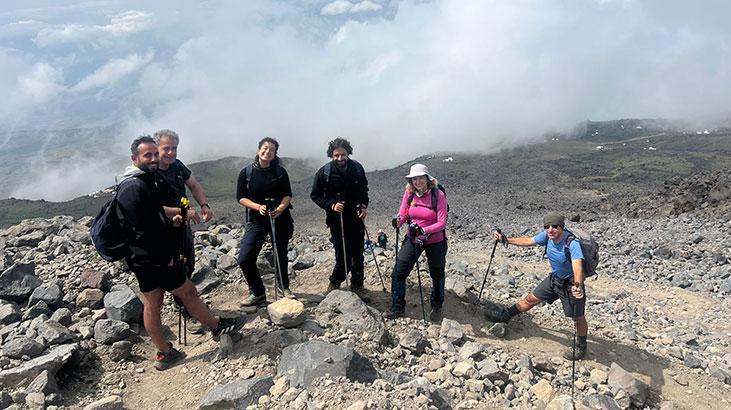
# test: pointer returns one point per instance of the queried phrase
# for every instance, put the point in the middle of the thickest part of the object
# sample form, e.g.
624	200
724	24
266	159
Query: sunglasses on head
552	226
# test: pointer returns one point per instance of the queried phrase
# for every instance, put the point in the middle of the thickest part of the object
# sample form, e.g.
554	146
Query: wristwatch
206	204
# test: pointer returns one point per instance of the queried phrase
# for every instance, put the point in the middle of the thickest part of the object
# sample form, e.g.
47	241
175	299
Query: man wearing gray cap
566	281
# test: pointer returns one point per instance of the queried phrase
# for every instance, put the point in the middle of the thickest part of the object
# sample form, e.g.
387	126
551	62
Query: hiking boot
228	326
195	327
164	361
360	290
253	300
580	353
394	313
497	314
436	314
332	286
288	294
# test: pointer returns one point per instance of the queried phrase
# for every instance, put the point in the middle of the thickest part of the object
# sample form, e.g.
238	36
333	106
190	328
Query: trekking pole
269	202
412	236
373	253
342	236
573	351
182	260
492	255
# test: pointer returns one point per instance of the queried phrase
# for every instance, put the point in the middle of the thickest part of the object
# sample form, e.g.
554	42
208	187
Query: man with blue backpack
569	265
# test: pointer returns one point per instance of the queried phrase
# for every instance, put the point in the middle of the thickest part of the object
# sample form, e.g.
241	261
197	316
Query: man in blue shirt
566	281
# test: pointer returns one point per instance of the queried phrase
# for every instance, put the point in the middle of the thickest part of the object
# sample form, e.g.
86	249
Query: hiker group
151	214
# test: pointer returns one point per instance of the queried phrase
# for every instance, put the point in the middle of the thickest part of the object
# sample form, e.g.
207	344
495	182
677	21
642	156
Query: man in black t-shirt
341	188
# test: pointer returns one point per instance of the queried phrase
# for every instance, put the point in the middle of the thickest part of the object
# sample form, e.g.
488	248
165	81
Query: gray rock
52	361
621	379
303	262
470	350
690	360
206	281
525	362
440	398
120	350
304	362
44	383
62	316
237	395
274	342
18	347
5	399
51	294
108	331
663	252
226	263
720	375
725	287
18	281
600	402
123	304
54	333
107	403
346	310
31	239
35	400
40	308
489	370
498	330
451	330
561	403
414	341
9	312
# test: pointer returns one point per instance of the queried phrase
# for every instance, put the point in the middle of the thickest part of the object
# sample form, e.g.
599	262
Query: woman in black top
264	179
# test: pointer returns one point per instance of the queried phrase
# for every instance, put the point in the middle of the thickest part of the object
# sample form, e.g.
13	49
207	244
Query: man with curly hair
341	189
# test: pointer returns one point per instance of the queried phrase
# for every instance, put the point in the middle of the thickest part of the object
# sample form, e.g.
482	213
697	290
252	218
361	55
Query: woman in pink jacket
424	211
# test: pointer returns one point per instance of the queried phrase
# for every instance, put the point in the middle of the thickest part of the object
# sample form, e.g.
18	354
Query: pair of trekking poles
573	306
345	252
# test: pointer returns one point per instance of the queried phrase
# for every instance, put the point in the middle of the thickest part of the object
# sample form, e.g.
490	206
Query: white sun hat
418	170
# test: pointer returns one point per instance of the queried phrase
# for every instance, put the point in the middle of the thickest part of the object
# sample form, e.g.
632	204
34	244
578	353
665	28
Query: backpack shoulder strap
434	199
327	171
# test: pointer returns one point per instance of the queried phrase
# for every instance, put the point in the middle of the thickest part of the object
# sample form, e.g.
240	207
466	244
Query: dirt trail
538	333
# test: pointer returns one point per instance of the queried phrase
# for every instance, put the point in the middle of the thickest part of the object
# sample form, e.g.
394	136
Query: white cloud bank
123	24
113	71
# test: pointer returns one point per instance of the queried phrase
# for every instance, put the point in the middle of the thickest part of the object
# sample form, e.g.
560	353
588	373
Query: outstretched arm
200	196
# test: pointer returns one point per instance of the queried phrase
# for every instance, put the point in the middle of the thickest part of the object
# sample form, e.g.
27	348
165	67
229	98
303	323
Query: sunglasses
552	226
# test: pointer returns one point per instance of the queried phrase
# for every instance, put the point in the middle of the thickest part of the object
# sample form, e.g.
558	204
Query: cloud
113	71
338	7
41	83
123	24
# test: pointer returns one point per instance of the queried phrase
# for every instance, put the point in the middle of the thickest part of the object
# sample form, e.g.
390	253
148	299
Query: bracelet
206	204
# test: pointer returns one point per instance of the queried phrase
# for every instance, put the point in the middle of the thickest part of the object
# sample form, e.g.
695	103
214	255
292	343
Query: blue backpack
109	232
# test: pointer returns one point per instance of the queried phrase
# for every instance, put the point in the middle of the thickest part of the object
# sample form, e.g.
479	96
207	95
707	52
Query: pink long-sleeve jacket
421	213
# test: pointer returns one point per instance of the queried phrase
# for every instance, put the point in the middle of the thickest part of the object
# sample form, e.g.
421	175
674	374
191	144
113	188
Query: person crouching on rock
566	281
264	180
151	256
424	209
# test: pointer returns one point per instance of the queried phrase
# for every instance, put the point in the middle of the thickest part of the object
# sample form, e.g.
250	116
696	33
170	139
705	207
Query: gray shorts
553	288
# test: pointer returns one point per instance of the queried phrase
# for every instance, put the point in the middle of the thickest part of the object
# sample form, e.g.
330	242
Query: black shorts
166	278
553	288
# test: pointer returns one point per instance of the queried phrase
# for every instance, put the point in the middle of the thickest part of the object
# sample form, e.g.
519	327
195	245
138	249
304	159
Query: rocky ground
658	316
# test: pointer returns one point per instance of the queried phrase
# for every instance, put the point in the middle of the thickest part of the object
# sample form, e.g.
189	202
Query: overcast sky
399	78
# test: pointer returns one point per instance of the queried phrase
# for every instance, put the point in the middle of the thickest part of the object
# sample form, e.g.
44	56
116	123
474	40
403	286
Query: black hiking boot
394	313
436	314
331	287
228	326
580	352
497	313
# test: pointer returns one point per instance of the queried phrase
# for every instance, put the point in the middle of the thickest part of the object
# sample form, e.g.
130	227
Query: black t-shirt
271	182
351	183
175	177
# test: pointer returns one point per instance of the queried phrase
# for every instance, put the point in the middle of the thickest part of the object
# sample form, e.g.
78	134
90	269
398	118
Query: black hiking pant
436	256
256	234
354	234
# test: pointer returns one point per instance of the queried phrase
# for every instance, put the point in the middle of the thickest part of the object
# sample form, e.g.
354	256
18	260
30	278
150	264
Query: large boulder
18	281
272	343
451	330
237	395
22	375
123	304
622	379
346	310
304	362
287	312
9	312
43	383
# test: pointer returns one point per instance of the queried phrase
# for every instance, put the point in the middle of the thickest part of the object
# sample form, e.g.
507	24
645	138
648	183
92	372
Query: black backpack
434	198
109	232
